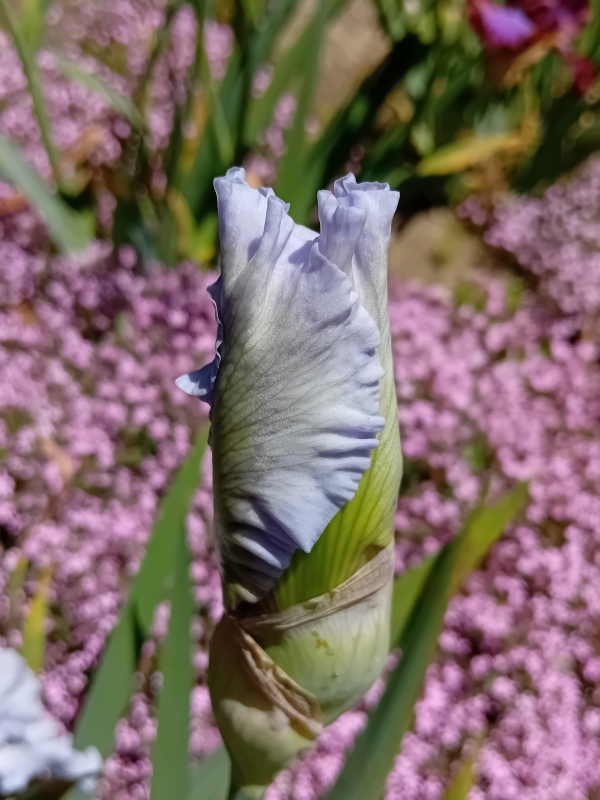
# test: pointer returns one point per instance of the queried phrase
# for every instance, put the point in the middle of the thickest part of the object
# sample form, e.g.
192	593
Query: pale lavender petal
341	226
379	205
242	214
296	399
200	383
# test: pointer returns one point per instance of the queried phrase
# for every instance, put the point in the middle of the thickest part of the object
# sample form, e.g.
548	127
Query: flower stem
27	58
236	793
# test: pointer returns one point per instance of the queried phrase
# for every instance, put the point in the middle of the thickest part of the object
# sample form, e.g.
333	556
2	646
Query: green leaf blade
463	780
285	71
34	634
111	688
117	101
485	528
407	589
210	780
170	775
150	579
364	774
65	227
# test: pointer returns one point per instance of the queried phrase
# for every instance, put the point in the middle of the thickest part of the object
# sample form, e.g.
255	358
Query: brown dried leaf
55	452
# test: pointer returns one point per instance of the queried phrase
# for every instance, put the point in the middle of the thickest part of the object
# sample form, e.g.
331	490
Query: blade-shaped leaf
111	688
130	227
463	780
210	780
292	165
170	752
34	635
265	34
485	528
289	66
10	22
391	18
110	692
65	227
328	155
364	774
33	15
150	579
14	589
470	152
407	589
195	177
119	102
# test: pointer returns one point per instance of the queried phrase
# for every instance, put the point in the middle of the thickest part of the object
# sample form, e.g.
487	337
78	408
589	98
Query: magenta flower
515	27
501	26
520	23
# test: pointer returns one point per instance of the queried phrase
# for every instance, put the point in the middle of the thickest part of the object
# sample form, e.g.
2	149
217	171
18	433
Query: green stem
239	794
161	43
8	17
244	30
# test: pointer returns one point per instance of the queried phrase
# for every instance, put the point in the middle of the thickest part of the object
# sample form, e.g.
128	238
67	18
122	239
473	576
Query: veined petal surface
295	401
366	523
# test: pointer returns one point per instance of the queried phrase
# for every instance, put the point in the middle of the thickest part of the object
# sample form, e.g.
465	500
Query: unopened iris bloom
307	466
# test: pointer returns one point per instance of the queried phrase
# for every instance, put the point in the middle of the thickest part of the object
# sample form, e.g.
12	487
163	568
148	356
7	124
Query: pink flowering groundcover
499	383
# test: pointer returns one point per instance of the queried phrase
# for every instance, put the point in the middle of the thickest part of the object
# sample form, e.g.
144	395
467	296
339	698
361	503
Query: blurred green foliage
437	118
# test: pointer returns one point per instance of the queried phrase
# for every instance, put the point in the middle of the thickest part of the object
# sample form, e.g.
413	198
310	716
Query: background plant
444	113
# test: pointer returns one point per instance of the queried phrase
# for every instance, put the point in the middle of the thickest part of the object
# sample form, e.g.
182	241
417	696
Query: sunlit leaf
65	227
463	780
470	152
203	243
365	771
14	589
170	751
253	9
34	635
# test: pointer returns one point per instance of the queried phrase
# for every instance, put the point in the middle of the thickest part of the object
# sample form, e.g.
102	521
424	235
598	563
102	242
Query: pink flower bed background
501	381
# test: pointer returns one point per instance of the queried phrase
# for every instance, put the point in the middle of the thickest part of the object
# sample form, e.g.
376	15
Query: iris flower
31	743
518	25
306	462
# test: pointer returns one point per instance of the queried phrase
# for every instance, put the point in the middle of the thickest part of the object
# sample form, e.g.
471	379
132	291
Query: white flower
31	743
